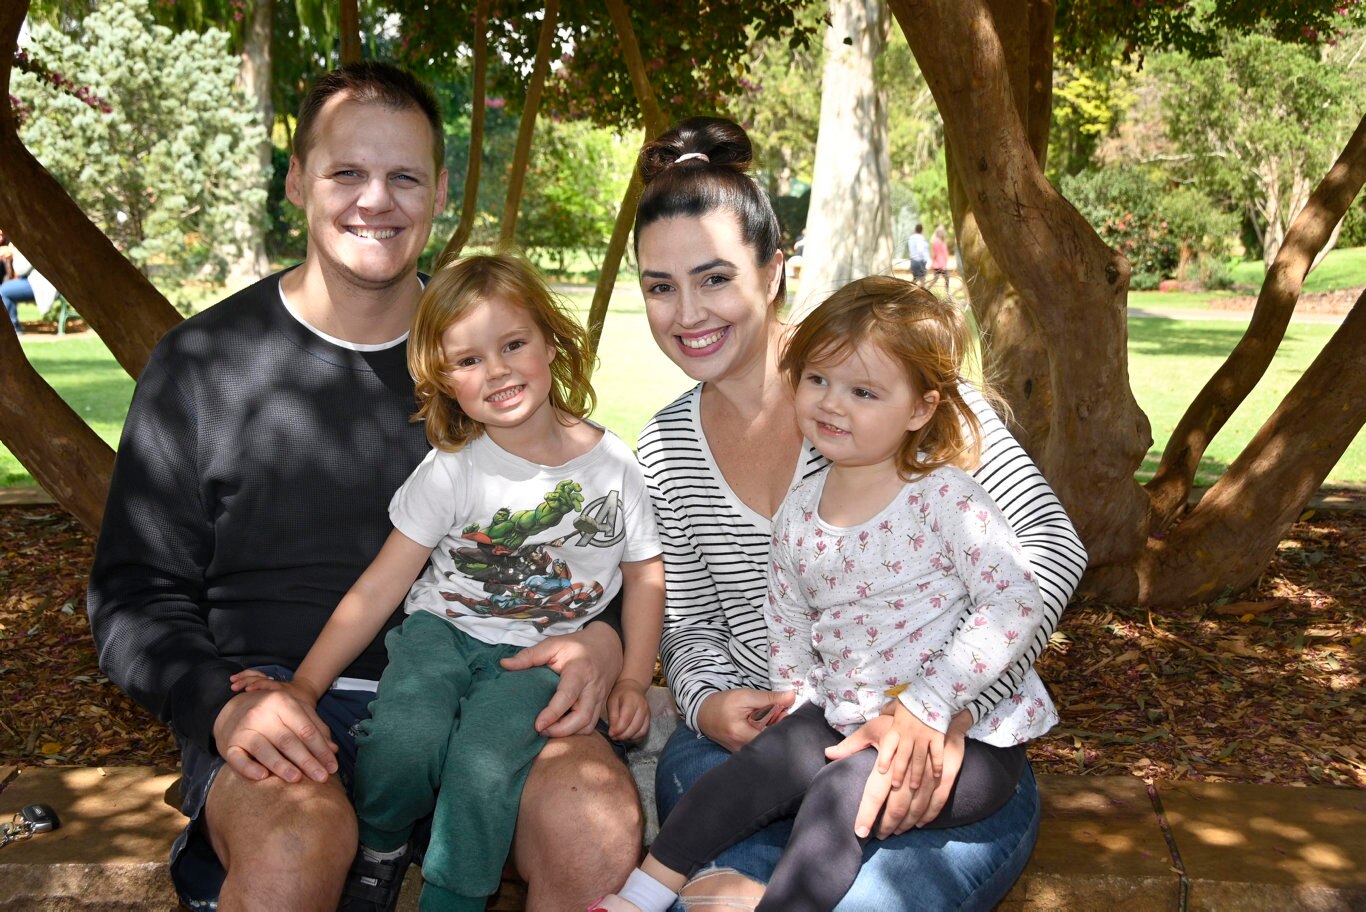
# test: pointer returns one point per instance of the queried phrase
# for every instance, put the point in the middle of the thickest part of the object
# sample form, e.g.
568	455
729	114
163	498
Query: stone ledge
1109	843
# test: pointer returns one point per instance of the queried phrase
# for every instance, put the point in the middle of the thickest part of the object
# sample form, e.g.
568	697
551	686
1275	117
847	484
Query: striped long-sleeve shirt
716	552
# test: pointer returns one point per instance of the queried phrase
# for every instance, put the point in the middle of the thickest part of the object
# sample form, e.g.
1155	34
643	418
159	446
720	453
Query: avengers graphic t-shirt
522	551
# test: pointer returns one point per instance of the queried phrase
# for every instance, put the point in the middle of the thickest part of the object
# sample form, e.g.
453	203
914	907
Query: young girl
523	522
873	563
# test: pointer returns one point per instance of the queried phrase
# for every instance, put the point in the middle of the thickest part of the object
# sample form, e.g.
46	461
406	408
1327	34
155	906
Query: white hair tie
682	158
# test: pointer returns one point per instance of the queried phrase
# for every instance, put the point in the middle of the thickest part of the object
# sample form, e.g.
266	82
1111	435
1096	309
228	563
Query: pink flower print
834	666
807	515
837	633
973	554
812	592
892	567
773	649
885	526
959	689
930	671
937	601
892	681
819	532
982	516
785	671
913	499
789	632
1017	698
801	568
978	666
930	714
921	587
820	548
1029	713
888	654
1012	636
916	541
813	615
900	624
860	619
924	510
925	656
1026	609
937	562
849	565
943	490
916	634
800	539
897	605
872	635
1038	702
995	723
846	652
989	574
863	539
817	638
837	613
1003	585
965	504
849	696
979	621
863	589
831	581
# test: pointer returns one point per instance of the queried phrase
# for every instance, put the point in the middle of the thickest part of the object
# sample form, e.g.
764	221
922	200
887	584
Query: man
919	250
264	441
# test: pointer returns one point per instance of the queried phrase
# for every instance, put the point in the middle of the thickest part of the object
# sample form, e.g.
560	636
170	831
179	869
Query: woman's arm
1055	553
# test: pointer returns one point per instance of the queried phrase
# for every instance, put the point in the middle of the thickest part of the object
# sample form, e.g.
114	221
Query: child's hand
628	712
252	680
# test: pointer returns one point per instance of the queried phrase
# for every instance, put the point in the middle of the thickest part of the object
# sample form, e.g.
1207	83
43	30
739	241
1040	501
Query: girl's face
706	296
857	410
499	361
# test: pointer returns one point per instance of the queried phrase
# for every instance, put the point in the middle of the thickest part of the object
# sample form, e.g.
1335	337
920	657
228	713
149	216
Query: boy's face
370	190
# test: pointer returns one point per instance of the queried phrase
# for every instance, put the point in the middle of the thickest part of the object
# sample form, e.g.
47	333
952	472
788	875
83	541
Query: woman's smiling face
707	299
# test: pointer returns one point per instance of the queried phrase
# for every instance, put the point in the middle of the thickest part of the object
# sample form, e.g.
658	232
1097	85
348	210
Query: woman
720	460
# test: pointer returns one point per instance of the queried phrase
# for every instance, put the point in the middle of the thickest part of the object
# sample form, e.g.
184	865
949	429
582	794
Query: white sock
647	893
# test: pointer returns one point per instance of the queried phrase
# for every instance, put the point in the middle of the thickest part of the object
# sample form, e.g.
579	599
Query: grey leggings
784	772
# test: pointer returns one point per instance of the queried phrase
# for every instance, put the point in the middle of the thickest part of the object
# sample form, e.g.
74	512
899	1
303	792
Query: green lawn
1169	361
1342	268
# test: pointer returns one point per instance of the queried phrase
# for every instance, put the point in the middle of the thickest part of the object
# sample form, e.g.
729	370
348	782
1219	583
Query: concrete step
1111	843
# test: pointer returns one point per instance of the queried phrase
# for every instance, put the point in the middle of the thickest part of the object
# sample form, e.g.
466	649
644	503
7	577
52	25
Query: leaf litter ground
1265	688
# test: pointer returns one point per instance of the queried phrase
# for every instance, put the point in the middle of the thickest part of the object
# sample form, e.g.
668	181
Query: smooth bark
254	77
849	225
1313	229
349	26
469	203
517	179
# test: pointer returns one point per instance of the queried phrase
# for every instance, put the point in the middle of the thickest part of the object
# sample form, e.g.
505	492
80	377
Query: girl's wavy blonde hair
926	336
455	290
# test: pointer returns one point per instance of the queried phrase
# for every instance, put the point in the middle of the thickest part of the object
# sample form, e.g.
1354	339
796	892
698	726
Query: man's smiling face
369	188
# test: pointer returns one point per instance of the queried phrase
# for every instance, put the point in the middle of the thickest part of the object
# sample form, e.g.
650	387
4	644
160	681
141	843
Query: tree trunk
517	179
656	122
254	77
1314	227
1231	535
849	225
1071	288
349	26
469	203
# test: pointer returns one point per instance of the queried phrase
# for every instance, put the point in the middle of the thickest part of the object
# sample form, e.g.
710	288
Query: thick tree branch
469	203
1228	539
1248	361
656	119
117	301
349	26
517	179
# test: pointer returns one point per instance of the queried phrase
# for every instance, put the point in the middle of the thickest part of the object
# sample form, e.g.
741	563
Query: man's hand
273	732
588	663
733	718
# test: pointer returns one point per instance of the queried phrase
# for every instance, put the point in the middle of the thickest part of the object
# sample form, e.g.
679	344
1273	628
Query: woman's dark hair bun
722	141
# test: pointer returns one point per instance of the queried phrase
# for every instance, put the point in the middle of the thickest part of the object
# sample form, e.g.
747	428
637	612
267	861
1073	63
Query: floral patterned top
930	600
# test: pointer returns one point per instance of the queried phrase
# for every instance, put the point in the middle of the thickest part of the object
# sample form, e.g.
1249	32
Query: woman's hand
732	718
588	663
915	772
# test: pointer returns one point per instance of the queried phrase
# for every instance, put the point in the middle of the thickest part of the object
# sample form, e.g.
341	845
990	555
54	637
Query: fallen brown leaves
1264	688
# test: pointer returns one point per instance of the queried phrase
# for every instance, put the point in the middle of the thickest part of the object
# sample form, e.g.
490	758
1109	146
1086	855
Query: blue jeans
968	867
14	291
